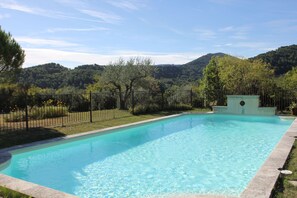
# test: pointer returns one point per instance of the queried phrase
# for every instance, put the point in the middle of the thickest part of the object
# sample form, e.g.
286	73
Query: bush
179	107
37	113
144	109
152	108
15	117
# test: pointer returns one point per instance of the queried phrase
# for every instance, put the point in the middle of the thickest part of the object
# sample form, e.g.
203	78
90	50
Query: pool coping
260	186
264	181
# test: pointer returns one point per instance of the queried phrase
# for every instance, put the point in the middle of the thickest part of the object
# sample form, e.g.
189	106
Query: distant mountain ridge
55	76
52	75
187	72
281	60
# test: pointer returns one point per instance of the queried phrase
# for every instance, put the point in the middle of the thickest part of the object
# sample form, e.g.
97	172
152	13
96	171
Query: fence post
132	100
91	114
162	96
191	97
26	113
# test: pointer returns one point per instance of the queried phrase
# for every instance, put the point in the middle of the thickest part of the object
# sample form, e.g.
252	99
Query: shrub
143	109
47	112
37	113
179	107
15	117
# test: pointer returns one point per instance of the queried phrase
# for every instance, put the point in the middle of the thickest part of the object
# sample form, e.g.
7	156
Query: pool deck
260	186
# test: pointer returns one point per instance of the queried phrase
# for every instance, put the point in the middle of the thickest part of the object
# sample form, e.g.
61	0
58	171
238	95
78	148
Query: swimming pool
189	154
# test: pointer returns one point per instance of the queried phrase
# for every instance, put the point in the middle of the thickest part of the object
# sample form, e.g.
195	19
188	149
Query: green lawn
283	188
7	193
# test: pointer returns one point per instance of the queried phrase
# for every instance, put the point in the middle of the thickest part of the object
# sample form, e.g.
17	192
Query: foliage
182	74
7	193
230	75
103	100
289	80
10	96
178	95
82	76
52	75
211	83
281	60
179	107
145	109
11	54
293	105
284	189
49	75
96	86
153	108
38	113
125	76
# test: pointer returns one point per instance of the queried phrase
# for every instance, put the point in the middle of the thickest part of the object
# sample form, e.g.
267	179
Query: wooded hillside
56	76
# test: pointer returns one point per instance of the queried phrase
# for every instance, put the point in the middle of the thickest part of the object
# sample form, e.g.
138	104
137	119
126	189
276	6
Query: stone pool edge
38	191
263	182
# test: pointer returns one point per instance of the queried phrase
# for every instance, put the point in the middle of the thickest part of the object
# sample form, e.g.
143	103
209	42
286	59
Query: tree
230	75
289	80
211	82
124	76
11	54
241	76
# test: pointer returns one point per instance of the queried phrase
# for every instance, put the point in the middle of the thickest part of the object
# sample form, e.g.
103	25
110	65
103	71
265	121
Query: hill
188	72
192	71
82	76
55	76
52	75
281	60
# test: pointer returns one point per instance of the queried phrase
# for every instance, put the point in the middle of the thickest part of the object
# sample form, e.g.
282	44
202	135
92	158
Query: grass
283	188
70	118
7	193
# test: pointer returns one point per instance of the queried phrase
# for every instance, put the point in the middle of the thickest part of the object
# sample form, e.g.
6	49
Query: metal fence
30	111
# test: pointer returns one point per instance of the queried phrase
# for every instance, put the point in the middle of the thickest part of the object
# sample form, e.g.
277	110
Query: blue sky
76	32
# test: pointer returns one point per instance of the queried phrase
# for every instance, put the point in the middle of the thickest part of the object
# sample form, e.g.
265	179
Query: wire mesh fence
31	111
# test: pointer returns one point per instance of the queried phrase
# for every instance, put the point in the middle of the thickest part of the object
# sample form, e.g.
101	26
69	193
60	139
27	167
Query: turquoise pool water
190	154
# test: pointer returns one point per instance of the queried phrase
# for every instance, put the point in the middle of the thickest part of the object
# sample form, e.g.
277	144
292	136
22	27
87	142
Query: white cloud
12	5
53	30
36	56
127	4
103	16
45	42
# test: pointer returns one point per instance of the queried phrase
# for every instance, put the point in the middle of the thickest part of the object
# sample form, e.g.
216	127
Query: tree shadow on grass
17	137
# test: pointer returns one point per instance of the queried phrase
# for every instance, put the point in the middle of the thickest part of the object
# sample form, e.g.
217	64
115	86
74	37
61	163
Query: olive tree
124	76
11	54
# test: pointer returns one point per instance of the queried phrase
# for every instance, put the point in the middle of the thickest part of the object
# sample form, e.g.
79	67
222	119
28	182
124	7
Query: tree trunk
122	101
